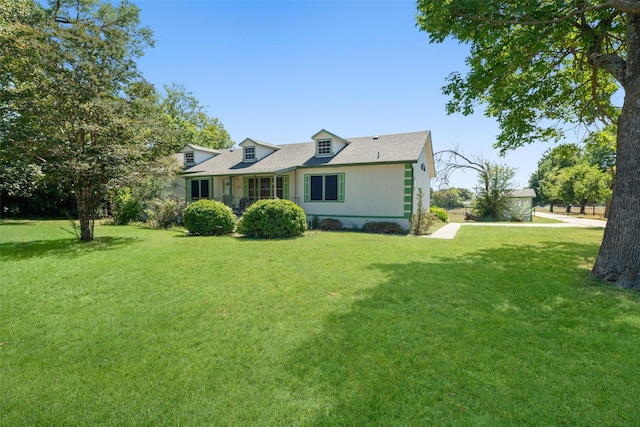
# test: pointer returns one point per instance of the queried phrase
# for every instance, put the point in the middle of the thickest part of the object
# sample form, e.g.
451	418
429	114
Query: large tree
537	65
543	179
578	184
190	122
72	99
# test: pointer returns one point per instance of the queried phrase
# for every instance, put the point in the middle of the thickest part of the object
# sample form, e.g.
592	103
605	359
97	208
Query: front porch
239	204
239	192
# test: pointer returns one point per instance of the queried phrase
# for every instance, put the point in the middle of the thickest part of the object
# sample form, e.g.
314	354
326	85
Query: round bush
273	219
382	227
330	224
208	217
440	213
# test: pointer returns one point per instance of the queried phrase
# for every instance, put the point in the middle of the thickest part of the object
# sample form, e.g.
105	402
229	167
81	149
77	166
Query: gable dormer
328	144
195	154
254	150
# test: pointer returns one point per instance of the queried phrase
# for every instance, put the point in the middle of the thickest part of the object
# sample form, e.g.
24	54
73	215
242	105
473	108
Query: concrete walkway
449	231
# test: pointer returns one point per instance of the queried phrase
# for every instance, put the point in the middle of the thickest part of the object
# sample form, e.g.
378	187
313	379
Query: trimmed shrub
440	213
315	223
273	219
330	224
208	217
165	213
382	227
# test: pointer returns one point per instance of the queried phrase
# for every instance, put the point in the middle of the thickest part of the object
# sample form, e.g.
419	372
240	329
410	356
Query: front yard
501	326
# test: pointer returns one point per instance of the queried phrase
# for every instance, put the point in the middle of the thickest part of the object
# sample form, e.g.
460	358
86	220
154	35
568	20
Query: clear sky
279	71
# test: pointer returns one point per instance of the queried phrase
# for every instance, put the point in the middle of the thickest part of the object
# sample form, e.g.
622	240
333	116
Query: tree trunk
607	209
86	208
583	207
619	257
551	207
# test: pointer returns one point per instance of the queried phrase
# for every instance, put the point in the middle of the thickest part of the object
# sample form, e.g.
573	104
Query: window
282	187
249	154
189	158
324	147
199	189
262	187
324	188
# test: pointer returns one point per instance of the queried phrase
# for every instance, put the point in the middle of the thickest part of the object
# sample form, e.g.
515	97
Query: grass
501	326
591	212
458	215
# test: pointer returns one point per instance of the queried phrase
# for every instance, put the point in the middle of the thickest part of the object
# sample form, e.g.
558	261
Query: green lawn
501	326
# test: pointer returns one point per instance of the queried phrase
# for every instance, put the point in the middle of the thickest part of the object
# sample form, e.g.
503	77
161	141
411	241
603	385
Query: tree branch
449	161
613	64
626	6
547	22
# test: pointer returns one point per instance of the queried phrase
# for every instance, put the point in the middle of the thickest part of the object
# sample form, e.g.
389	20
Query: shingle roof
397	148
526	192
200	148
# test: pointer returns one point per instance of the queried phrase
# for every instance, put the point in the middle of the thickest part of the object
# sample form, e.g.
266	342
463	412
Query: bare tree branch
449	161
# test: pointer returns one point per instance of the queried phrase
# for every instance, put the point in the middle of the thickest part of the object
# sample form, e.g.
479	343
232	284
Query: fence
593	210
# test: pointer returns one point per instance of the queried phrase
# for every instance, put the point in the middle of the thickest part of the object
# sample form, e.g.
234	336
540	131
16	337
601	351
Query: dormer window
324	147
189	158
249	154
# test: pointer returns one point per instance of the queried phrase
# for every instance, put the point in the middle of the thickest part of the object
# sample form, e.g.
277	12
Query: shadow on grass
60	247
481	339
15	222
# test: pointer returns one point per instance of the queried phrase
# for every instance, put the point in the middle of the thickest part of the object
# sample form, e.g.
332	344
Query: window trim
273	185
319	152
189	189
245	158
340	177
189	154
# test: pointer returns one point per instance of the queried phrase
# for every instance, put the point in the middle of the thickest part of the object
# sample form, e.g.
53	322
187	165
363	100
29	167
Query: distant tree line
570	174
451	198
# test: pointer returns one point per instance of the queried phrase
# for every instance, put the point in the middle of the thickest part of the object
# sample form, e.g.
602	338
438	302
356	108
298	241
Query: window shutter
245	187
341	187
285	187
307	187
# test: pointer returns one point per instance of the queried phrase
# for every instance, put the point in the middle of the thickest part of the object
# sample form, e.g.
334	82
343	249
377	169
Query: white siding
372	193
198	156
262	152
421	179
336	144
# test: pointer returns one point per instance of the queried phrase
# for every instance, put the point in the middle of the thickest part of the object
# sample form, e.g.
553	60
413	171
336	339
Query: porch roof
396	148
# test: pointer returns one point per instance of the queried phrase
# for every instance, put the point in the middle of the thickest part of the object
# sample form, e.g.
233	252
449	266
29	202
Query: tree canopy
553	160
187	117
542	67
72	98
570	174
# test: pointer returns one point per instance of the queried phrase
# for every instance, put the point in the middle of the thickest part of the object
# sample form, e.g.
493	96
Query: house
355	180
521	203
189	156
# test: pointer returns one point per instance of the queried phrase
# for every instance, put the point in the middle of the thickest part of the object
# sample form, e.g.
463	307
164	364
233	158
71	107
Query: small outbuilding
522	204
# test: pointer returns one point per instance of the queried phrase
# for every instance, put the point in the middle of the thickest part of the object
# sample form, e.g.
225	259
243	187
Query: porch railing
238	204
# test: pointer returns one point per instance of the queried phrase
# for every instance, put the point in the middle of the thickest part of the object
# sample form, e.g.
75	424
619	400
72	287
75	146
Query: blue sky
279	71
